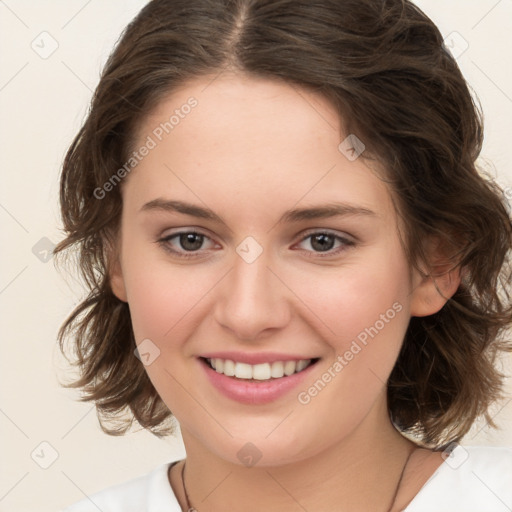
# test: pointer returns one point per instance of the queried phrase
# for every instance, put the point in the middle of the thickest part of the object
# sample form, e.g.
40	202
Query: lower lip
254	392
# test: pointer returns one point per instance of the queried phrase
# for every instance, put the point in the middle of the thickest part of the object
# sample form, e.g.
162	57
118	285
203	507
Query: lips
266	378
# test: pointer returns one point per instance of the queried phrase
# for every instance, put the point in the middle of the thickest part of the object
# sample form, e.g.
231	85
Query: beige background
42	104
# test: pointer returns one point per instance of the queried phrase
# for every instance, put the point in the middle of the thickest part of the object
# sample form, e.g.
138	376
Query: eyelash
164	242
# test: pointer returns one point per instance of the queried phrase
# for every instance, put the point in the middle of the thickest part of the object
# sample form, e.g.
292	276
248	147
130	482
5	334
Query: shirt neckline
421	492
153	506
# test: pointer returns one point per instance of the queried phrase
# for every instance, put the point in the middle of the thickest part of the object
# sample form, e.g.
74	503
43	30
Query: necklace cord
400	480
395	495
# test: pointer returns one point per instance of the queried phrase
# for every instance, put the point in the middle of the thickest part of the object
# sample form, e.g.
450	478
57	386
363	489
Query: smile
259	383
261	372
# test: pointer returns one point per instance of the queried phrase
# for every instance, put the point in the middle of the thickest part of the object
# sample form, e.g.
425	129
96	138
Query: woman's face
292	254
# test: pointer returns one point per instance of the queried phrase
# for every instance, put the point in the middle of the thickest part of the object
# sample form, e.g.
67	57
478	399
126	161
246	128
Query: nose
253	302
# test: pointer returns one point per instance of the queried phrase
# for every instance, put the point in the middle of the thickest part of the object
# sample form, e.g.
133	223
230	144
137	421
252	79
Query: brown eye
191	241
324	242
186	243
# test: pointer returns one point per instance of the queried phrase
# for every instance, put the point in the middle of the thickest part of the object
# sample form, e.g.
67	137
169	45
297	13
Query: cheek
354	299
366	310
164	297
165	302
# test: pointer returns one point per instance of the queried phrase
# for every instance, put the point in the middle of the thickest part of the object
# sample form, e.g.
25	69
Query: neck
360	473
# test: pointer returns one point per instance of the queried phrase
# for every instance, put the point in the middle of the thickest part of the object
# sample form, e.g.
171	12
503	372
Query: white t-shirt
471	479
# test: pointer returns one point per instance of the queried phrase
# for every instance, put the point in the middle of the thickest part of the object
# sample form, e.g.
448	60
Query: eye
190	243
324	242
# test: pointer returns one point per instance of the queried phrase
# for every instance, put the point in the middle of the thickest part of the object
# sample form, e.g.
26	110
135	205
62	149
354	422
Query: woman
290	249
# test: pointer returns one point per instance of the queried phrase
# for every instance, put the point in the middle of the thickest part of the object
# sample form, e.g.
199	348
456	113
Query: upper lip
254	358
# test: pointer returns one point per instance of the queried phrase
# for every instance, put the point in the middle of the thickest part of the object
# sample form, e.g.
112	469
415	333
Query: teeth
277	369
290	367
243	371
229	368
219	365
263	371
301	365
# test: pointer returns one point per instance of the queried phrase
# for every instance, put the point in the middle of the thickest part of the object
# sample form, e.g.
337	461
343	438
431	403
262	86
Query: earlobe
117	285
117	279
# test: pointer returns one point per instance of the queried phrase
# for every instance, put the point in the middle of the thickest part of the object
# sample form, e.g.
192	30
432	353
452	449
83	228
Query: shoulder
471	479
149	492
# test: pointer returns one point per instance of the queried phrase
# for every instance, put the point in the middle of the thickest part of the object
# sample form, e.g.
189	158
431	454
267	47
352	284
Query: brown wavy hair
383	65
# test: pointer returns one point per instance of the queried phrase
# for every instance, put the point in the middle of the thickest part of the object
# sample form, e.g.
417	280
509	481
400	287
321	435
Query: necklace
190	508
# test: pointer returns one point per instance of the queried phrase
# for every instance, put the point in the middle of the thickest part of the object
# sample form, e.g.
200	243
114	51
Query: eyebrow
294	215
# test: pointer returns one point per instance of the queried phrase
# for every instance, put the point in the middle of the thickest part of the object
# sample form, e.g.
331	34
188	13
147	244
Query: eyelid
326	231
185	230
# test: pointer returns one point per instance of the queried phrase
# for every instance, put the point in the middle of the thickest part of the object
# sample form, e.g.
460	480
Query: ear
116	277
433	288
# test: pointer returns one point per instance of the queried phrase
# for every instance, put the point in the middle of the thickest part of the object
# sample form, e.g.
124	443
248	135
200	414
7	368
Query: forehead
258	142
248	109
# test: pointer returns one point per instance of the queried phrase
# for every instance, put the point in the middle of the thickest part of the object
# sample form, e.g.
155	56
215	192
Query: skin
250	150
